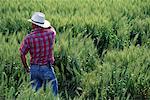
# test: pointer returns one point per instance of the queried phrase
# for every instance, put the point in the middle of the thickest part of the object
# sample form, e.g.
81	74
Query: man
40	44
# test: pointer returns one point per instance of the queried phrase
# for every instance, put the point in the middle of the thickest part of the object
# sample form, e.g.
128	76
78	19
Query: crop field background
102	49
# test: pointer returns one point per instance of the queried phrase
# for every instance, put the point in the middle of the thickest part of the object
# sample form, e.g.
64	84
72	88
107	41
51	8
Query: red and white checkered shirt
40	45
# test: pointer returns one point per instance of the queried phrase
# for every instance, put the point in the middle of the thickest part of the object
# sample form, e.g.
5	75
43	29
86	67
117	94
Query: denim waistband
41	65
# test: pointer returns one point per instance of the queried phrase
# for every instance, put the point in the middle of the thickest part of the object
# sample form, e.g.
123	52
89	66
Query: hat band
37	22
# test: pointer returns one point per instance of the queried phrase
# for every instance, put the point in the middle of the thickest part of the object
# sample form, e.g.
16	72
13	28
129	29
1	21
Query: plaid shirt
40	45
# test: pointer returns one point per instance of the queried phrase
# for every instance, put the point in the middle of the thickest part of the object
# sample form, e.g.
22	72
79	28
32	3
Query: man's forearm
23	59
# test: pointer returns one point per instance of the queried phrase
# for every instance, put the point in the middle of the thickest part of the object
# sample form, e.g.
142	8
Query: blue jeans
41	75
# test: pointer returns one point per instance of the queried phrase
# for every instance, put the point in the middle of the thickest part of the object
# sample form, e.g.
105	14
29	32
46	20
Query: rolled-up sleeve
53	34
24	47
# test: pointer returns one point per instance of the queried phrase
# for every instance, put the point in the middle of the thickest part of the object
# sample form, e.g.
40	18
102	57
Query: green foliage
26	93
94	52
74	55
123	73
109	25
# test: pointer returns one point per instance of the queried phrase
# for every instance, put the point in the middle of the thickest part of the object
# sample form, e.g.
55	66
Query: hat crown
38	17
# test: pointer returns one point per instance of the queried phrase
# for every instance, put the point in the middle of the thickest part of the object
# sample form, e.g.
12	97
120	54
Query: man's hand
27	69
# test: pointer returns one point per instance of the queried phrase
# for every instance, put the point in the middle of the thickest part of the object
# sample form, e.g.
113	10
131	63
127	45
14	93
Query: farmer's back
40	45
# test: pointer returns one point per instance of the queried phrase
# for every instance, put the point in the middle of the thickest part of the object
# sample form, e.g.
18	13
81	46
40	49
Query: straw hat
38	18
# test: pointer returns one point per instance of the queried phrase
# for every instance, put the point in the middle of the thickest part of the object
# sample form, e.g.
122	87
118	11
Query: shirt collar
35	30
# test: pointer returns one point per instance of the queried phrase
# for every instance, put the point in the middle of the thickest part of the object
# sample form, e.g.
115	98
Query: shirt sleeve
24	47
53	34
53	42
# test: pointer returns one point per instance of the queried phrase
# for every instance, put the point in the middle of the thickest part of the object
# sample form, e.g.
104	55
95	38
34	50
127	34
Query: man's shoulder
28	36
52	29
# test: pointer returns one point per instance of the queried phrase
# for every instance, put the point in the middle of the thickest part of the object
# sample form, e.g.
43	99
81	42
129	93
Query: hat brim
45	25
